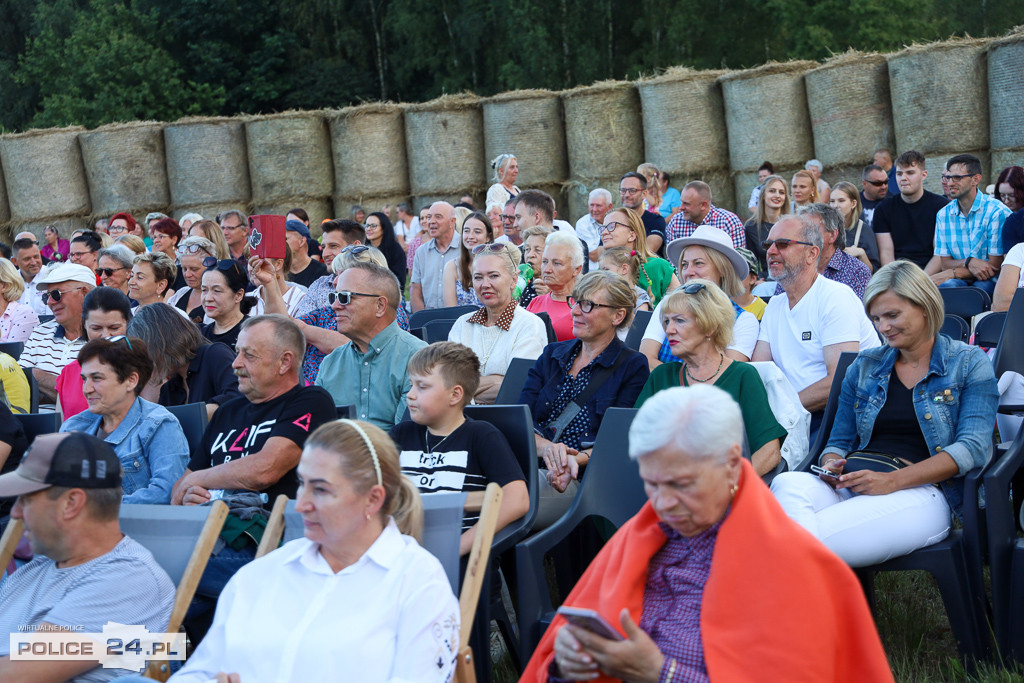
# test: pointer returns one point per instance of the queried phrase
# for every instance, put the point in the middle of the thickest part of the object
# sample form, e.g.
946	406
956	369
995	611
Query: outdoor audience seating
988	328
35	424
437	330
515	379
421	318
637	329
12	349
193	420
965	302
829	416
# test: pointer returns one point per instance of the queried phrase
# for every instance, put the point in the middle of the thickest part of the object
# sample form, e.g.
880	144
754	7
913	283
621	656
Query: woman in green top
623	228
698	321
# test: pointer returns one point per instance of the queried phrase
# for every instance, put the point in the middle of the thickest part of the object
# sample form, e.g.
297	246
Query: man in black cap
85	572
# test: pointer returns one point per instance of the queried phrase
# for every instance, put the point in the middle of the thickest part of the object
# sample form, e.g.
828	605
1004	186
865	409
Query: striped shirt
126	585
49	350
679	226
978	234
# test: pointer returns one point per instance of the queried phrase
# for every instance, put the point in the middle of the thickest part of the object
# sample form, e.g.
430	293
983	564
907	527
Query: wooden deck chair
476	570
169	531
9	542
274	529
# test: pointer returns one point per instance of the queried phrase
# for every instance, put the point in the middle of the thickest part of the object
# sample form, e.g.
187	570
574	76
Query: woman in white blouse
356	595
506	170
501	330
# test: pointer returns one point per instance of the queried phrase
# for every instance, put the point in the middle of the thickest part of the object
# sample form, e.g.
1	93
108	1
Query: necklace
426	440
721	362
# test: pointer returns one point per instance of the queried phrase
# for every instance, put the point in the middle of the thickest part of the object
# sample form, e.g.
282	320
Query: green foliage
93	61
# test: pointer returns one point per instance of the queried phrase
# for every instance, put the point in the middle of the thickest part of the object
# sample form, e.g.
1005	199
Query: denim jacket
149	443
620	390
955	404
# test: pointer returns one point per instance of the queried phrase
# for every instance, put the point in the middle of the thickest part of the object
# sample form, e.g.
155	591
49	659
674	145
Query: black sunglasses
781	244
56	295
694	287
107	272
877	183
123	338
345	297
354	249
224	264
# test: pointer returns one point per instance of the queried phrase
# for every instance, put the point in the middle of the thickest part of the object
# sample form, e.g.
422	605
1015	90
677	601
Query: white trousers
861	529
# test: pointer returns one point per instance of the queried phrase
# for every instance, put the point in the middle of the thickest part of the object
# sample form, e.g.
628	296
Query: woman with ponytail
356	594
623	228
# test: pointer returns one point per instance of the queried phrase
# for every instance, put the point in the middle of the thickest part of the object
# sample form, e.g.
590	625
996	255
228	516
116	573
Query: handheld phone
823	472
590	620
266	236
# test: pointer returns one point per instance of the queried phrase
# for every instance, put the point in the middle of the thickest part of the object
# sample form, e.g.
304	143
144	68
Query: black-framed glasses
949	177
344	297
586	305
877	183
107	272
782	244
507	220
694	287
240	226
367	226
611	227
354	249
192	249
223	264
121	337
117	228
56	295
490	248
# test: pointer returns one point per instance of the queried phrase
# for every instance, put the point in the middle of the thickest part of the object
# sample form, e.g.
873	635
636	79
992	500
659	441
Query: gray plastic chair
36	424
193	420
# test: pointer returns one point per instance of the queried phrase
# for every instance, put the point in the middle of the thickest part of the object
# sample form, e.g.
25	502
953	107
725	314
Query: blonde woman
623	228
654	190
860	238
772	202
17	320
805	189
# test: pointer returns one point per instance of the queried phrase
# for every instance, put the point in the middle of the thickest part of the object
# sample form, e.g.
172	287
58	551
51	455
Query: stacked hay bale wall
5	209
126	168
444	141
604	139
207	165
1006	101
45	179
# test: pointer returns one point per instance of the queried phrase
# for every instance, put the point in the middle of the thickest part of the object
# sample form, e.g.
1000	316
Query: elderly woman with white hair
671	576
506	170
17	320
560	268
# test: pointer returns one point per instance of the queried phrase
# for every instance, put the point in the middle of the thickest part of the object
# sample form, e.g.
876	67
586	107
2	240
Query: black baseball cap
70	459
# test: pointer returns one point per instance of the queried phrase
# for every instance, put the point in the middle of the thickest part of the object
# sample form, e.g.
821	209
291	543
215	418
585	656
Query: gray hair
499	163
287	335
810	231
814	163
830	218
194	217
171	343
700	421
118	252
382	282
602	193
243	219
568	240
155	216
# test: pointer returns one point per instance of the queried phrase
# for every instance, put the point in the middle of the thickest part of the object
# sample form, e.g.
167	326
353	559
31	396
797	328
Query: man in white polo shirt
813	321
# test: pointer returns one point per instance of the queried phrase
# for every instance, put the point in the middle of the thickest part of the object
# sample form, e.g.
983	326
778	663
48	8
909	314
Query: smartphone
266	236
591	621
823	472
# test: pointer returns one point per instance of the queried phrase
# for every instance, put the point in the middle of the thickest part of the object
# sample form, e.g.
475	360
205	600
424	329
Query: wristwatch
967	263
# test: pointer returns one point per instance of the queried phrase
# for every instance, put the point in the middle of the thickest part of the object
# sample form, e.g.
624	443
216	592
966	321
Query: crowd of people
123	322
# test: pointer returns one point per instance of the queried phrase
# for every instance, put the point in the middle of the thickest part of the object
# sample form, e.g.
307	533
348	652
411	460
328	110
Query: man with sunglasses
56	343
337	235
968	230
905	223
875	187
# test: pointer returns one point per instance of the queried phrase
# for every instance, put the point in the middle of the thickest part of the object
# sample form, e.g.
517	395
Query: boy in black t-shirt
444	451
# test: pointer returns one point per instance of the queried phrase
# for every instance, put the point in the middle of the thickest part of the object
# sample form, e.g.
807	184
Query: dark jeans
218	572
988	285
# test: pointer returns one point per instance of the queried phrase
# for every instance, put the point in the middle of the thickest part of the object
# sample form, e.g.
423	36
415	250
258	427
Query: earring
367	516
733	489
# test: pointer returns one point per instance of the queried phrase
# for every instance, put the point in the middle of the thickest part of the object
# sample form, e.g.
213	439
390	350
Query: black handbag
874	462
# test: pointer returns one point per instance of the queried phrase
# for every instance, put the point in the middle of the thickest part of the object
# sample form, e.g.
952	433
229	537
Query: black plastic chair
515	379
548	327
965	302
437	330
829	417
988	329
421	318
45	319
36	424
345	412
955	327
637	329
611	489
193	420
12	349
33	390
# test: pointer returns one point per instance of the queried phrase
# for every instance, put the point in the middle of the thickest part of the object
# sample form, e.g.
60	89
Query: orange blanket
778	605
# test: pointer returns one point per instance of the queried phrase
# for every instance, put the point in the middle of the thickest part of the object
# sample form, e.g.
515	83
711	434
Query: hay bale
289	156
371	203
936	164
1006	91
850	173
368	148
766	115
1001	158
318	210
528	124
207	162
65	226
684	121
577	195
848	99
126	168
940	96
207	211
44	173
444	142
603	130
5	207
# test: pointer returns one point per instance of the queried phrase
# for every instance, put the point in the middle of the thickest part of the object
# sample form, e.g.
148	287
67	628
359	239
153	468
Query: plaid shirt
719	218
978	234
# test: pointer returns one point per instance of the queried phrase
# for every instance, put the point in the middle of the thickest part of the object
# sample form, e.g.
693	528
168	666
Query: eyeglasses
586	305
344	298
123	338
367	226
79	254
107	272
781	244
117	228
233	227
948	178
630	191
877	183
56	295
611	227
490	247
1007	197
508	220
223	264
192	249
354	249
694	287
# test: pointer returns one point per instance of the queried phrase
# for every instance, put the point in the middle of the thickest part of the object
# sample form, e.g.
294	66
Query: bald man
431	258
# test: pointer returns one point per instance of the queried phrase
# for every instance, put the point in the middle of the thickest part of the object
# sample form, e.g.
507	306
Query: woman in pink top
55	248
560	268
16	319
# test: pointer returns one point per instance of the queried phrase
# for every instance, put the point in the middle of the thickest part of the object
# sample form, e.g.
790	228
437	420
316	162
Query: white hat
67	272
713	238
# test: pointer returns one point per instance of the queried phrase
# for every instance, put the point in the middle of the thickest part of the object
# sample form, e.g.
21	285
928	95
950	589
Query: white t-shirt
559	224
408	231
744	331
1015	257
829	313
589	230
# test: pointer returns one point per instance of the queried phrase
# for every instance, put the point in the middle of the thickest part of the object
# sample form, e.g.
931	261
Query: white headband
369	444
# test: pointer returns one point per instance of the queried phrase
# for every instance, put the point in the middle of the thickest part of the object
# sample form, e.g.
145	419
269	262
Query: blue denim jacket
620	390
149	443
959	422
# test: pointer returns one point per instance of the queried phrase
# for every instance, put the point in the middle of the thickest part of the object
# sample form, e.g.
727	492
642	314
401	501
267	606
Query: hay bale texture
44	174
1006	157
528	124
65	226
684	122
5	207
851	115
577	195
207	163
940	97
444	141
126	167
368	148
766	115
1006	91
289	156
603	130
